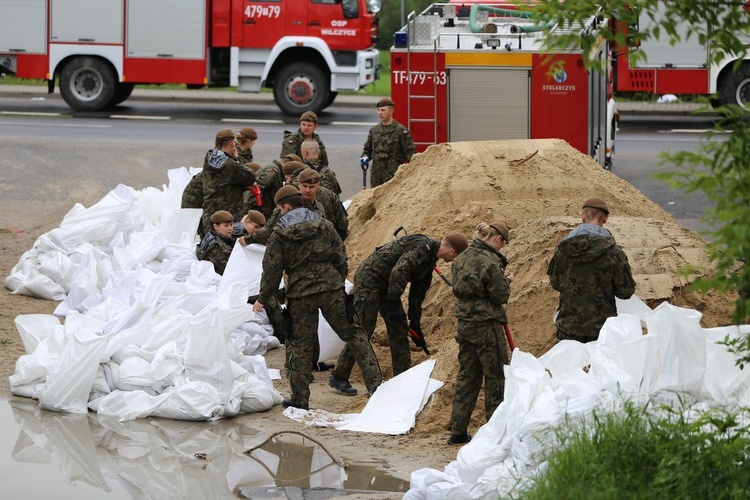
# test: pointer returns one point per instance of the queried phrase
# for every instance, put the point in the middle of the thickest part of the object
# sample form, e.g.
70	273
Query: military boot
342	386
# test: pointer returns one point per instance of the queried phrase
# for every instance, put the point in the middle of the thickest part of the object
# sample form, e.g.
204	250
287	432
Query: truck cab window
350	8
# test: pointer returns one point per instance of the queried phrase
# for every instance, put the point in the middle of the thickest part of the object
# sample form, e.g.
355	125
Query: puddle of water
59	455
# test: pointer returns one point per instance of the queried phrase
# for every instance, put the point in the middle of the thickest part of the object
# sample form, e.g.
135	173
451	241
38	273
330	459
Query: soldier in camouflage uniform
308	183
307	248
589	270
292	143
216	245
225	180
310	152
246	139
388	145
192	197
482	287
380	281
270	179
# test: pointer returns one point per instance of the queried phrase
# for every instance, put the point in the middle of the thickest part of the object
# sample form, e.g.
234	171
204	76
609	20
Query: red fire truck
467	71
682	68
305	50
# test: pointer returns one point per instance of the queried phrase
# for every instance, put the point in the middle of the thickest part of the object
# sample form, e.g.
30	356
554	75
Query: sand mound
454	186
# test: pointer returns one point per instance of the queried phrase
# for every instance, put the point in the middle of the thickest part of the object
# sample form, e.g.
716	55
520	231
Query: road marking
35	124
139	117
698	131
251	120
28	113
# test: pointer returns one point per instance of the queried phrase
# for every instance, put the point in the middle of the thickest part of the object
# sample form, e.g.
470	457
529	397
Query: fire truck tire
735	87
122	92
331	98
87	84
301	87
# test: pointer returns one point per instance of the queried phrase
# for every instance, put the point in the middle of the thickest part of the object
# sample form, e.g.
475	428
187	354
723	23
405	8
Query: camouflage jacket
390	144
215	248
589	270
306	248
244	156
262	235
409	259
292	143
192	196
224	184
327	176
333	210
479	283
270	179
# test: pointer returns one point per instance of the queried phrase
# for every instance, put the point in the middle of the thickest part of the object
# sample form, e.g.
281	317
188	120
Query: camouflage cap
221	216
309	116
385	103
256	217
292	157
457	241
285	193
292	167
253	166
248	133
596	203
308	176
224	134
501	228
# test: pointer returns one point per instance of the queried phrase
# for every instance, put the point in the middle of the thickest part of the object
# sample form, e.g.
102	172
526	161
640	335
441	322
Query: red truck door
325	19
265	21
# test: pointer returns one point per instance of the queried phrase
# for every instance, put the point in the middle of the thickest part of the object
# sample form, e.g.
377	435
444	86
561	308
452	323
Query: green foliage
636	454
390	18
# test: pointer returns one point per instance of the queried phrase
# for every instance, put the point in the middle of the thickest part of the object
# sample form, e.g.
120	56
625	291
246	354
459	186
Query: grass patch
5	342
638	455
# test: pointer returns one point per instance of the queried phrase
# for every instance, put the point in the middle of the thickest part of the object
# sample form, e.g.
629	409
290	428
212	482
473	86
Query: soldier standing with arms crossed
388	145
306	247
589	270
482	287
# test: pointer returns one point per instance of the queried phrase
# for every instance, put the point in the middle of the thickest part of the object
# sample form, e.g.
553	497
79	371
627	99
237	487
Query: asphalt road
50	152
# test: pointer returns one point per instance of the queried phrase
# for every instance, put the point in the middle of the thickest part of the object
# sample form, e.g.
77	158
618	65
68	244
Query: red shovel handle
511	344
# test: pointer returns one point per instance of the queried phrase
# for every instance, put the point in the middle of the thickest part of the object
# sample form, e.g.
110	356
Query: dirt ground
451	187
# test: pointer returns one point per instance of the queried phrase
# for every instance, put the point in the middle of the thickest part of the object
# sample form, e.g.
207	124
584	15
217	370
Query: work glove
364	162
255	190
415	331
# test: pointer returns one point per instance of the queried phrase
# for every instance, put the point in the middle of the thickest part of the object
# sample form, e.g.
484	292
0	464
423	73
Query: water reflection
159	458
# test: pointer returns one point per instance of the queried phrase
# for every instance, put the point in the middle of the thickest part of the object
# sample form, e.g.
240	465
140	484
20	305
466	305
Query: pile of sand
454	186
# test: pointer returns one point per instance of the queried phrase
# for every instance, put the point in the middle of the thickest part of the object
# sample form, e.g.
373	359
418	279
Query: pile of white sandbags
148	330
676	360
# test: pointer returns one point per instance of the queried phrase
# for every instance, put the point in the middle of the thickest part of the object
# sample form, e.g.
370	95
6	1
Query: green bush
635	454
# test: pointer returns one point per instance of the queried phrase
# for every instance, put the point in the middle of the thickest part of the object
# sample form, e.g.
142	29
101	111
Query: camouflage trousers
304	313
482	352
367	303
382	172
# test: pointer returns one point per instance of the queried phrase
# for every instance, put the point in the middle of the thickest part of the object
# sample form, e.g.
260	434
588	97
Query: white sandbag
56	266
682	349
32	369
245	265
143	247
724	381
134	373
34	328
39	286
633	305
182	226
128	405
191	401
394	406
69	383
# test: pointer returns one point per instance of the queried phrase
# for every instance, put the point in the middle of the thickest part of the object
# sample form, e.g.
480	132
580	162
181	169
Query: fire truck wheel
87	84
301	87
735	87
331	98
122	92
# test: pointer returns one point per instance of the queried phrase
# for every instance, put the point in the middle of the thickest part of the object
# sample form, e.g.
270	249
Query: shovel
364	166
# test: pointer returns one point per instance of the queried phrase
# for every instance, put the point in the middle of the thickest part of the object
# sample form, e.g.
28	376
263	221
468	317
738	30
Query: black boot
286	403
323	366
459	438
342	386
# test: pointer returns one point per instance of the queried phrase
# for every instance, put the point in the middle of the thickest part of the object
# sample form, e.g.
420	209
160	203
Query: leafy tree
721	166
